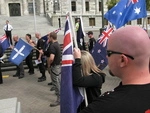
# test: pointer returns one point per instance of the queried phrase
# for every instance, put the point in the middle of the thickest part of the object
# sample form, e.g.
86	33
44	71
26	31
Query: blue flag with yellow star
126	10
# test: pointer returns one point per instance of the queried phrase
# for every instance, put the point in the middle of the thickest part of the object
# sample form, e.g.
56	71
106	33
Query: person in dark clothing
1	54
47	54
39	56
92	40
132	67
87	74
20	68
54	67
29	57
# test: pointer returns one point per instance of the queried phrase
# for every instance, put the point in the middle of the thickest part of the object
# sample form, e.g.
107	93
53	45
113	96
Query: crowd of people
128	59
50	50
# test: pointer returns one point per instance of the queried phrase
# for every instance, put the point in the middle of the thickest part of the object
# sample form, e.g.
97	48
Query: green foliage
111	3
148	5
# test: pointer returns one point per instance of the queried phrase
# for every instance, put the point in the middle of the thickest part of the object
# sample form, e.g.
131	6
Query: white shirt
9	27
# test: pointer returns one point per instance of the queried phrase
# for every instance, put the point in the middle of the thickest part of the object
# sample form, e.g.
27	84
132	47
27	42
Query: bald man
128	58
39	56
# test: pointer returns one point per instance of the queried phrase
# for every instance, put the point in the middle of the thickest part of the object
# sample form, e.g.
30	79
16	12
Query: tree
148	5
111	3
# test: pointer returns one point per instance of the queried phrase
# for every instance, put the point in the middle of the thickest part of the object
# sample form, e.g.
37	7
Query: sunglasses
109	53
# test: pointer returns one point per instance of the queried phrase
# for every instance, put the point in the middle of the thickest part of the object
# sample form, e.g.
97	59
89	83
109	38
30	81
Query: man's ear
123	61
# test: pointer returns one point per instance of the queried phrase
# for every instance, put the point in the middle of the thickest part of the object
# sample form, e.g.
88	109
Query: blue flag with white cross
20	52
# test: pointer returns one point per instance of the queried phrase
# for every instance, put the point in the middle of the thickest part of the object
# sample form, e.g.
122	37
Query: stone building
55	10
90	10
20	7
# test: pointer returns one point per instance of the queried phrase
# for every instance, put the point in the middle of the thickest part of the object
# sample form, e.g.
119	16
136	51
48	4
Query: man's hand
77	53
41	52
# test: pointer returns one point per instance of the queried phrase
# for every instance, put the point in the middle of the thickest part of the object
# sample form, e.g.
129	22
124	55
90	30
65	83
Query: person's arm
52	55
51	59
41	49
11	27
90	44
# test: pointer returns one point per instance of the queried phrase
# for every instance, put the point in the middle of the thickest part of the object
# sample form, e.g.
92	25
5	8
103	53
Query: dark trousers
29	62
42	68
1	78
20	70
8	34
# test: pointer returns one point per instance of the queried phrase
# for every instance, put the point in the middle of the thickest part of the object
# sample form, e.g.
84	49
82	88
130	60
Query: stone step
10	105
26	24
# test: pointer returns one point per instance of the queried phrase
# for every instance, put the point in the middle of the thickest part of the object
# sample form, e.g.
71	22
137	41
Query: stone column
83	6
2	7
41	7
25	7
96	6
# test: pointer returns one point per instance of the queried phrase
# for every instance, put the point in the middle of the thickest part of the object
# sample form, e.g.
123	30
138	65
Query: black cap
90	32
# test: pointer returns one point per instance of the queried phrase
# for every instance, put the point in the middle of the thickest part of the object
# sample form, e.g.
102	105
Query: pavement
35	97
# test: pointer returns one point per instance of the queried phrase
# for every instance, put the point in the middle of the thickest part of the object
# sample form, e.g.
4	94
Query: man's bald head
15	38
37	35
132	40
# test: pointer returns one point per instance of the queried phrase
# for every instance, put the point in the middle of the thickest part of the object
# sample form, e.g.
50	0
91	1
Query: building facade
56	10
20	7
90	10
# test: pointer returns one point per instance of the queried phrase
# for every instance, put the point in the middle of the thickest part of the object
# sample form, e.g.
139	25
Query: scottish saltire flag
20	52
81	34
99	51
126	10
70	97
4	42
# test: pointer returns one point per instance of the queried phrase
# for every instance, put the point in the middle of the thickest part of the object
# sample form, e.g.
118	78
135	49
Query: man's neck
139	80
54	41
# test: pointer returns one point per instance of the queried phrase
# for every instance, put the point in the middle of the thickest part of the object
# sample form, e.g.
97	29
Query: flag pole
76	46
73	30
146	25
34	16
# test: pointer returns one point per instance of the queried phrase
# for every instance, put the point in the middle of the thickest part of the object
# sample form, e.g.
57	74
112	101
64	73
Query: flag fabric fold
45	37
4	42
126	10
20	52
70	97
99	51
81	34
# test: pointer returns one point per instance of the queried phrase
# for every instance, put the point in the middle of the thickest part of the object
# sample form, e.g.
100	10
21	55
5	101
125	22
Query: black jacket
92	83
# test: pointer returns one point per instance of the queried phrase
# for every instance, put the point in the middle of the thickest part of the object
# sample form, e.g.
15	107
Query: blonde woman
87	74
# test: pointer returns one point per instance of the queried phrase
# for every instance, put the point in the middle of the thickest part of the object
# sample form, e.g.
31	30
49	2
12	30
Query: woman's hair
88	63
